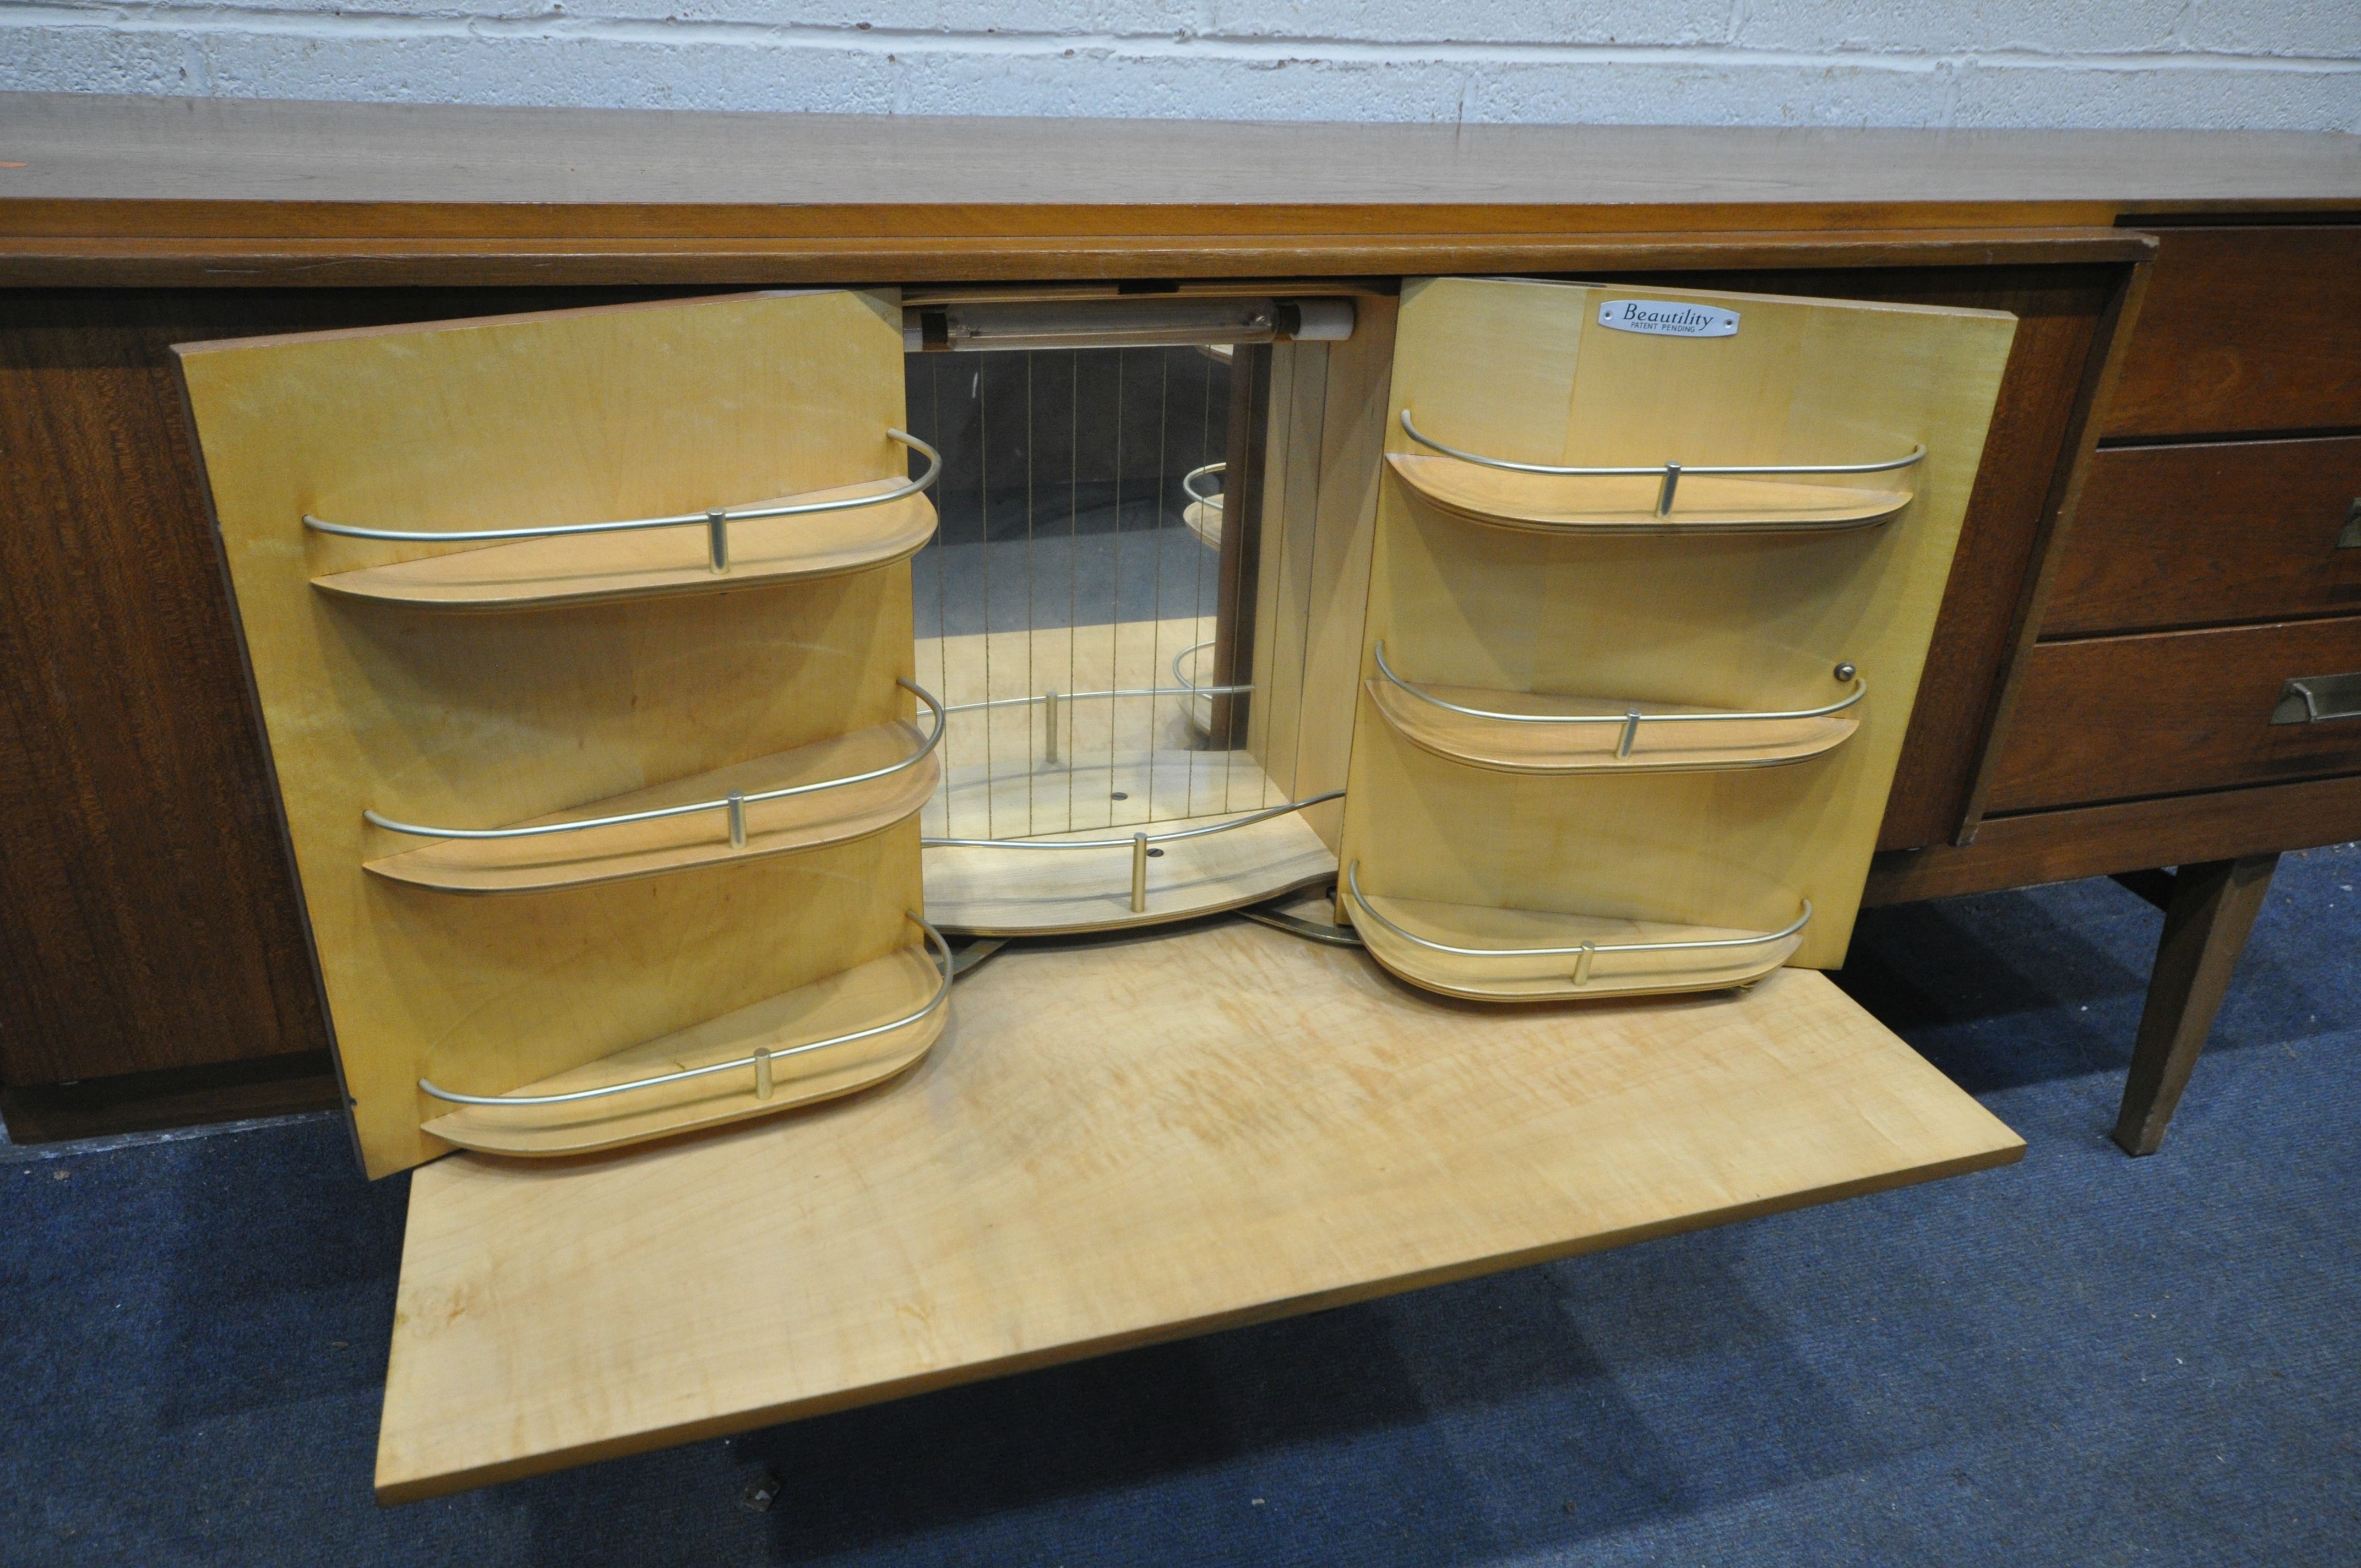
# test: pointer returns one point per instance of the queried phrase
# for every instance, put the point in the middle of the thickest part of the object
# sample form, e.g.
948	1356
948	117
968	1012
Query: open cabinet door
1653	576
604	831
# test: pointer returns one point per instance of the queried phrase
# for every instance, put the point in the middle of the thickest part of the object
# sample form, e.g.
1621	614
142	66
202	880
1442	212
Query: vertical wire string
1156	580
1303	637
1031	688
1233	486
1114	587
1073	542
942	592
983	505
1197	580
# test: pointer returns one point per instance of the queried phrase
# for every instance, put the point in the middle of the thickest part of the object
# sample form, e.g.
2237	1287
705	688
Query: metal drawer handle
2351	538
715	520
2313	699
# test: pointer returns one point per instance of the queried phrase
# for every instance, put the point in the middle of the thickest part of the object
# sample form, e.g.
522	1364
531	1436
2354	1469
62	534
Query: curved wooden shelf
1005	889
892	987
593	568
1204	521
1560	503
1500	975
630	849
1507	745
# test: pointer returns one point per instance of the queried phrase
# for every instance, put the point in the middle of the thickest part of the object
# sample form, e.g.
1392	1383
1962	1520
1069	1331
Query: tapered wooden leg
2212	907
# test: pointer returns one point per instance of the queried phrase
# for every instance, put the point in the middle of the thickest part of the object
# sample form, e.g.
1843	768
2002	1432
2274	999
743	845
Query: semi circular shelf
1669	497
1204	512
547	572
827	1038
1533	732
1105	881
829	792
1526	955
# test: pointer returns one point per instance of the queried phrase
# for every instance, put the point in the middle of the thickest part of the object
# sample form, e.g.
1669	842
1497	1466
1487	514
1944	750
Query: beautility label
1664	318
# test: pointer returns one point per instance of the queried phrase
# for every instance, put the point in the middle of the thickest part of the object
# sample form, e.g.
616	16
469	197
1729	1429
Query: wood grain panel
1342	525
147	910
1095	1156
2119	718
2245	329
521	162
171	1097
480	719
560	260
1524	372
2012	512
2098	841
147	920
2169	536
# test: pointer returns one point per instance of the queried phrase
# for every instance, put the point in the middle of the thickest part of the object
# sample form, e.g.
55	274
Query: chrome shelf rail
716	519
760	1061
1084	696
1631	719
1054	701
1669	474
1191	687
1583	952
735	802
1149	839
1139	844
1189	482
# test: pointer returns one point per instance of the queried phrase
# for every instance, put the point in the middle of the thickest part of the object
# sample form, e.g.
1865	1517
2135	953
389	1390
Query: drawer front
2224	530
2119	718
2245	329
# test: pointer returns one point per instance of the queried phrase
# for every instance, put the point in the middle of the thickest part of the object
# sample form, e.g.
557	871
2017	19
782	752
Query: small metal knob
1845	671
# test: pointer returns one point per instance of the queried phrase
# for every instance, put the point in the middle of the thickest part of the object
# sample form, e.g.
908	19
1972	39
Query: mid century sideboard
2147	656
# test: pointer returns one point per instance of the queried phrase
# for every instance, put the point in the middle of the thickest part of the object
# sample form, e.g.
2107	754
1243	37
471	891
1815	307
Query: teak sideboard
2147	663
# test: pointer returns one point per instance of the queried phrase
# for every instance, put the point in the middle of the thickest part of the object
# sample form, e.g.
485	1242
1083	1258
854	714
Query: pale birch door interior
604	831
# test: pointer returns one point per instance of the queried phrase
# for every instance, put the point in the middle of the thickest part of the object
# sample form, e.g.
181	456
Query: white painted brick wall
2292	65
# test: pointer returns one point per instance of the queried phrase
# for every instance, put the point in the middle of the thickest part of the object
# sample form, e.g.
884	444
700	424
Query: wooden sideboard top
130	189
82	148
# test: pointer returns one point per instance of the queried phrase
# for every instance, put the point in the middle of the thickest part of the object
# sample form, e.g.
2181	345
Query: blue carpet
2081	1359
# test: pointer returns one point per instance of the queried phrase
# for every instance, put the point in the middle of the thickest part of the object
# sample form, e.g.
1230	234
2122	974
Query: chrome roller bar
716	519
760	1061
1671	474
1631	719
1583	952
735	802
